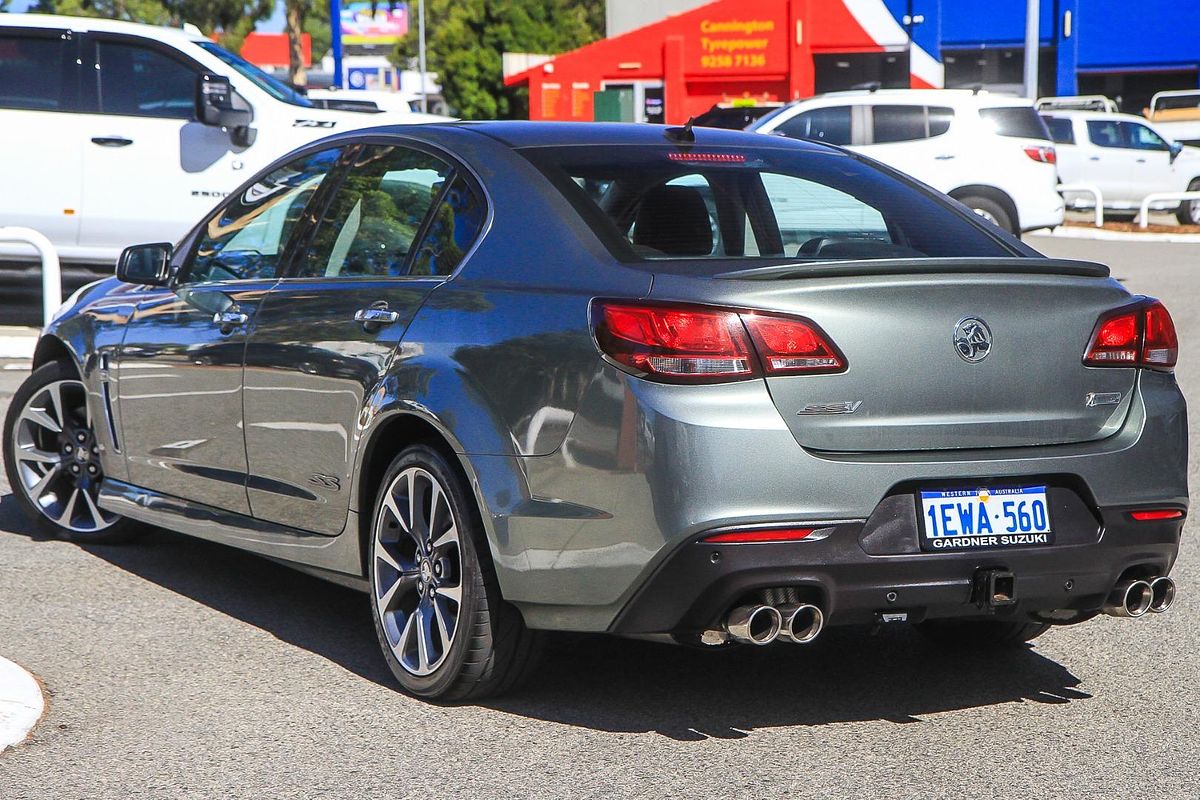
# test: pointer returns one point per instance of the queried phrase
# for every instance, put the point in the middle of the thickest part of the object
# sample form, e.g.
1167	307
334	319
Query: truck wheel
981	633
52	459
990	210
444	629
1189	210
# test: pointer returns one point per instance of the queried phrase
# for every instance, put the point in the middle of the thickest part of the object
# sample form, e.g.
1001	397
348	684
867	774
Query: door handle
376	316
1093	158
1141	161
945	157
111	141
229	320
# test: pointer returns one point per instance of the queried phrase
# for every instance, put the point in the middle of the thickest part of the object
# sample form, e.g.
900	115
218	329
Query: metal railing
1158	197
51	271
1087	188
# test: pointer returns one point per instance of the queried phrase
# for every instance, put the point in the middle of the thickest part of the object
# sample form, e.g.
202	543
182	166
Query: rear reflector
762	535
1044	155
1152	514
1141	335
702	344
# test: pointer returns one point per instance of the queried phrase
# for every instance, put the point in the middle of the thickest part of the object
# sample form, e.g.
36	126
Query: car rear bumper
694	589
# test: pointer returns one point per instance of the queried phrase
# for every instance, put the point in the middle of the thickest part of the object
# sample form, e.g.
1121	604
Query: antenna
684	134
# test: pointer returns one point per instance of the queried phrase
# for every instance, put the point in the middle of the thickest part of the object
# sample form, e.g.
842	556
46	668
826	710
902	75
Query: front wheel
52	459
444	629
981	633
1189	210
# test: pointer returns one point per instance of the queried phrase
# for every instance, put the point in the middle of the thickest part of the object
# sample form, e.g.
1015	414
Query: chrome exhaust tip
1129	599
1162	591
754	624
801	623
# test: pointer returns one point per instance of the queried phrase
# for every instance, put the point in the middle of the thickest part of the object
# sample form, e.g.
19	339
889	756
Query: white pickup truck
1177	114
114	133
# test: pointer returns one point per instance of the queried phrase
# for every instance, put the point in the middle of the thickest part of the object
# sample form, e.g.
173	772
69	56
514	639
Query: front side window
138	81
271	85
663	204
370	224
247	237
31	72
1140	137
829	125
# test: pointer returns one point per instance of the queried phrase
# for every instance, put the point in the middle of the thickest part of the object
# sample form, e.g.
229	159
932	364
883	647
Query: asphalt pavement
180	668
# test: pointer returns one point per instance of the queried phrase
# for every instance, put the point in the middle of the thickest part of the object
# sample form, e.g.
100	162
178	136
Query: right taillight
1141	335
683	343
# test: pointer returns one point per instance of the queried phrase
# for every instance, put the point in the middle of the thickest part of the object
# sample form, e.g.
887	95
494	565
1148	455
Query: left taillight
682	343
1042	154
1141	335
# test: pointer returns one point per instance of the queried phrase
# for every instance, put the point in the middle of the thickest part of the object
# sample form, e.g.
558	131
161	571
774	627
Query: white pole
421	52
51	273
1032	44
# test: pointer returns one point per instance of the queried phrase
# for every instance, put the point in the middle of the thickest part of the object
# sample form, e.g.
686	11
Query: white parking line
21	703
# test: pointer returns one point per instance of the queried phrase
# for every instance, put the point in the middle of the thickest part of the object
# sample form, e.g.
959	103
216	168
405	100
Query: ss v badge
844	407
1094	399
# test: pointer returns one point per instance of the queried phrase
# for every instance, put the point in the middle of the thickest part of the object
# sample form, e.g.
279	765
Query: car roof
1082	114
982	99
518	134
84	24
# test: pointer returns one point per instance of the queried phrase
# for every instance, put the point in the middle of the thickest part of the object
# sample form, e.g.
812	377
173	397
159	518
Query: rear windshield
1022	122
676	203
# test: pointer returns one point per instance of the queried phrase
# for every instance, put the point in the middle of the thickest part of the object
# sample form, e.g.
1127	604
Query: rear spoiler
918	266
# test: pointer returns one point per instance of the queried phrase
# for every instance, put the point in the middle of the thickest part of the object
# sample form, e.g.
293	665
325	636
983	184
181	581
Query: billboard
385	24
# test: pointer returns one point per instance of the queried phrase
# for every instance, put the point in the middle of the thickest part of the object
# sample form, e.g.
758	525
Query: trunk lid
907	386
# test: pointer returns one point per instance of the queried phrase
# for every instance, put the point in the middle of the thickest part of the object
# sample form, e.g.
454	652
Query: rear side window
31	72
665	204
1021	122
1105	133
138	81
898	124
1061	130
369	226
939	120
247	237
828	125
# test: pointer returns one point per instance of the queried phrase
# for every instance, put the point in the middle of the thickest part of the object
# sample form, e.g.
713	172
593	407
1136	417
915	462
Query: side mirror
215	106
148	264
1176	148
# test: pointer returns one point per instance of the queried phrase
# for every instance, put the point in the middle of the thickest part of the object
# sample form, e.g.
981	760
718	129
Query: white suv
989	152
114	133
1126	158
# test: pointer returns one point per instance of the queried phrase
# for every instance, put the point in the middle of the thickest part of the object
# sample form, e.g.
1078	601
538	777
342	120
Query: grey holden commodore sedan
702	386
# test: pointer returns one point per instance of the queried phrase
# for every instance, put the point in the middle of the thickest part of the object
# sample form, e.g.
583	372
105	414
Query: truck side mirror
1176	148
215	106
146	264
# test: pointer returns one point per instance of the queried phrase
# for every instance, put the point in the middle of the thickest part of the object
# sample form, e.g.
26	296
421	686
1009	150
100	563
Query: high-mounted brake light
1042	154
759	536
1141	335
1155	514
708	158
682	343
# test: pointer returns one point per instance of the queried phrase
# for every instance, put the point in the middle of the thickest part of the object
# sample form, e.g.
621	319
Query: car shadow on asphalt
618	685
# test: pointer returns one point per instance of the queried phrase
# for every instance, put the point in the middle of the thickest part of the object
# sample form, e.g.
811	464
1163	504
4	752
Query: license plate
996	516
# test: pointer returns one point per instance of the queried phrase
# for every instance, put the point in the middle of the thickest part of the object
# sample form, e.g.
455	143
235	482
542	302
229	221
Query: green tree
466	38
208	15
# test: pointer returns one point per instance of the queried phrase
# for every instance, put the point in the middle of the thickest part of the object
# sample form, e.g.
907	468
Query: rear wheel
444	629
981	633
52	458
1189	210
990	210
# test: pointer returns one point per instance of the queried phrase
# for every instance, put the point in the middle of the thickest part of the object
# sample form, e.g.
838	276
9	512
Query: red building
730	50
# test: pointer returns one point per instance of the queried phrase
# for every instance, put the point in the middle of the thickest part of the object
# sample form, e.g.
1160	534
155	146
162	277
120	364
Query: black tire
491	650
115	529
981	633
991	211
1189	210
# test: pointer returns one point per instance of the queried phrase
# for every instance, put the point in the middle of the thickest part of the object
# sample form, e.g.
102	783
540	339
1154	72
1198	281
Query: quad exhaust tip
759	624
802	623
1132	599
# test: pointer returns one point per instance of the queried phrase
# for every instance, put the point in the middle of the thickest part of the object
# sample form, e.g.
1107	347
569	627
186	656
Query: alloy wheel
57	458
418	576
